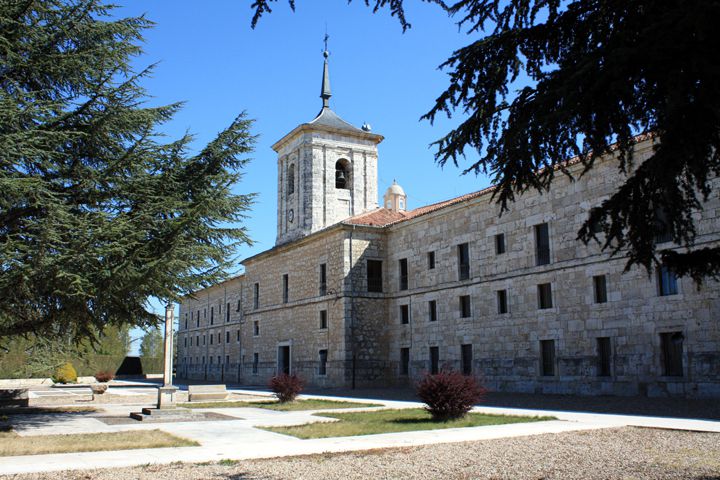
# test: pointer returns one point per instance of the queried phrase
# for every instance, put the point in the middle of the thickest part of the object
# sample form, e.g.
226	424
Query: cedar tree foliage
98	212
547	80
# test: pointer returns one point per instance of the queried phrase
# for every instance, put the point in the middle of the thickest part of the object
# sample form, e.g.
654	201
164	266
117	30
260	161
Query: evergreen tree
152	343
98	212
600	73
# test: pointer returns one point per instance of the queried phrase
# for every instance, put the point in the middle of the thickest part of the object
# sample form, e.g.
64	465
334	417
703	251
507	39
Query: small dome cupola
395	198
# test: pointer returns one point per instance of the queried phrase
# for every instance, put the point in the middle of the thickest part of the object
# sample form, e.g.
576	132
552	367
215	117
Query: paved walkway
239	439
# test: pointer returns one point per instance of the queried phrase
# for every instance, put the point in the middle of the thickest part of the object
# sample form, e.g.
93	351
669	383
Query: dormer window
342	174
291	179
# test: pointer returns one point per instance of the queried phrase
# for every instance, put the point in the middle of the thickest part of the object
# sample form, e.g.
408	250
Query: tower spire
325	90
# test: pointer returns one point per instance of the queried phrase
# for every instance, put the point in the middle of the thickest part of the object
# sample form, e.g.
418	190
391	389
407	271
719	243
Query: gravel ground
627	453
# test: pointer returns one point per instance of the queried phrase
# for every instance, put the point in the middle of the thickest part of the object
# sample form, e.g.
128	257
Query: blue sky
210	58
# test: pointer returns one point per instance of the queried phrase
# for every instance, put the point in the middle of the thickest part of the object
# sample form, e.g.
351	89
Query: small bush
449	395
65	374
286	387
104	376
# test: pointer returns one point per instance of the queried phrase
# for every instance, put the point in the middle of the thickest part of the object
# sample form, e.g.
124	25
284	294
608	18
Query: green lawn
388	421
283	407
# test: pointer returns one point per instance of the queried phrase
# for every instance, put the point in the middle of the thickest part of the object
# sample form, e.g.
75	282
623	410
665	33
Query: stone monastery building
353	294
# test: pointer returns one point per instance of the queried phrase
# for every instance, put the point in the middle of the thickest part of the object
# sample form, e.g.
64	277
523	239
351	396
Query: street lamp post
166	393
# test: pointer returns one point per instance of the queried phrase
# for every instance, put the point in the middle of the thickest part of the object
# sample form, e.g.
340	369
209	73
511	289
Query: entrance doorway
283	357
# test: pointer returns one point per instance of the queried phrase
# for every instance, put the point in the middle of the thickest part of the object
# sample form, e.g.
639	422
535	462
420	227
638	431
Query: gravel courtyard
630	453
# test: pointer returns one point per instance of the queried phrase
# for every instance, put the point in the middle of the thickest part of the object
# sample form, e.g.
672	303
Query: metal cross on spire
325	89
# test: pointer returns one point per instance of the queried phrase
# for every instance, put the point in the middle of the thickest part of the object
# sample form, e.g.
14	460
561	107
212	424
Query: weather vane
327	37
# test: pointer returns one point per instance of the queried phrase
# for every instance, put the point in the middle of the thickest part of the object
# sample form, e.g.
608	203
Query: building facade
356	294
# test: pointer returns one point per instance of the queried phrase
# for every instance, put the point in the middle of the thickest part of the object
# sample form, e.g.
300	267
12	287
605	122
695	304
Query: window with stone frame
403	273
667	281
404	314
374	276
671	344
227	337
219	338
499	244
466	359
465	306
604	354
463	261
255	363
432	311
212	315
431	260
227	312
237	335
502	302
211	338
404	361
322	369
544	291
291	179
434	360
342	174
323	320
285	288
542	244
547	358
256	328
323	280
256	296
600	288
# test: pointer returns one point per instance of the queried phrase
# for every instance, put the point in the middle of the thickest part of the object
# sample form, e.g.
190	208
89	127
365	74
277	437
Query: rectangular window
404	361
463	261
210	359
499	244
256	296
218	359
323	319
285	287
185	341
211	338
227	337
404	314
191	341
197	322
256	361
542	244
239	305
403	267
662	226
374	276
256	328
227	359
186	321
432	310
212	315
466	358
604	354
322	370
434	360
547	357
323	280
431	260
237	335
197	340
227	312
667	281
203	339
219	337
502	305
544	296
671	344
600	288
465	306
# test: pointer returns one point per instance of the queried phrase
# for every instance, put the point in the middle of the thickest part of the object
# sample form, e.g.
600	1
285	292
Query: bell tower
327	170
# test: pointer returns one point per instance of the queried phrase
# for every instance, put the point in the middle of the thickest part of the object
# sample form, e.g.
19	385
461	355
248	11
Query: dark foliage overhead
98	212
547	80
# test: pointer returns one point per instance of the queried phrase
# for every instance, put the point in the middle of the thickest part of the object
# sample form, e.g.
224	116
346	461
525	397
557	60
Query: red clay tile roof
383	217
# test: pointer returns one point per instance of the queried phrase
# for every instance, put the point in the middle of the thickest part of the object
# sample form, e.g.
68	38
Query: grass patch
44	410
308	404
13	444
389	421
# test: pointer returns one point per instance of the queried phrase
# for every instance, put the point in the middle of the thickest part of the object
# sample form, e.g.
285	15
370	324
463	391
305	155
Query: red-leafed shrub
449	395
286	387
104	376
